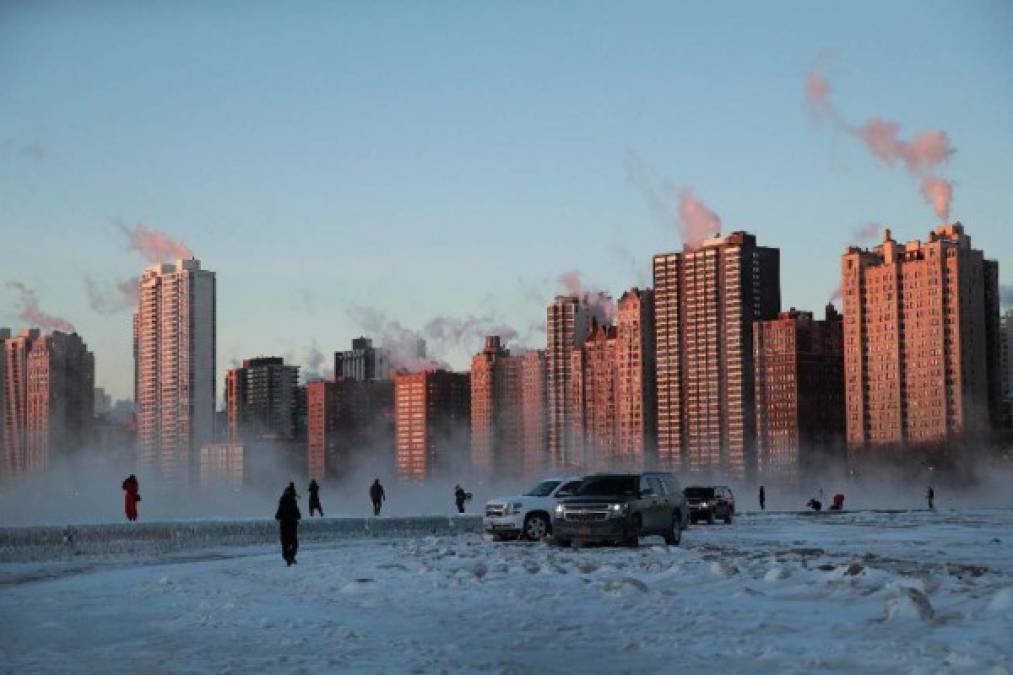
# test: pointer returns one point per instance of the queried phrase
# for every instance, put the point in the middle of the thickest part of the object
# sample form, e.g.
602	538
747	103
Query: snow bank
40	544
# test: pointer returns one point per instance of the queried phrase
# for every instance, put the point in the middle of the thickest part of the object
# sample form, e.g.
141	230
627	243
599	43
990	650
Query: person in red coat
131	496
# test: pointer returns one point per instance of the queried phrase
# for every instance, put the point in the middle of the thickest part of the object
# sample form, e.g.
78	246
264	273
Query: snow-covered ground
869	592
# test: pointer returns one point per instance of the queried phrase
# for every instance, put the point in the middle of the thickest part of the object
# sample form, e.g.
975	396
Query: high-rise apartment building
534	403
636	386
349	426
706	301
1006	368
5	334
49	399
175	366
262	400
799	394
497	411
566	328
431	423
364	361
593	387
921	340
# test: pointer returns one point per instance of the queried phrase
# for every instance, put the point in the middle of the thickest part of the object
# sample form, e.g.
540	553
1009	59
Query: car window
657	486
699	492
569	488
543	489
608	486
646	485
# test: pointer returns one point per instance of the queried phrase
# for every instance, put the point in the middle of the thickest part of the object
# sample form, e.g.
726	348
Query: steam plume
698	221
673	206
601	303
111	301
155	246
1005	295
313	365
35	317
939	193
921	155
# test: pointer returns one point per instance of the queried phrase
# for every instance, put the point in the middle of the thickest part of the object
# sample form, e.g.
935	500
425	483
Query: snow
870	592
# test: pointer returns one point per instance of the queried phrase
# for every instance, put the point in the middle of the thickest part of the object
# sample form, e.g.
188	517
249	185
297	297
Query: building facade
799	395
363	361
262	400
706	301
174	343
636	383
497	411
534	403
921	340
349	426
49	399
431	423
566	328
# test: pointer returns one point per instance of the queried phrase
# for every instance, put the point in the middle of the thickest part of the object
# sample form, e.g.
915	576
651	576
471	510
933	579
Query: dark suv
708	503
621	508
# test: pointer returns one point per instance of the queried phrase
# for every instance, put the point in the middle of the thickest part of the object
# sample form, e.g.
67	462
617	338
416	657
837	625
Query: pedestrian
377	496
131	496
930	496
288	517
315	499
460	497
763	499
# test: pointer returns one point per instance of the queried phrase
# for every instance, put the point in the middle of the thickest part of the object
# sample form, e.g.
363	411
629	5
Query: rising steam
921	156
603	307
119	298
35	317
153	245
671	205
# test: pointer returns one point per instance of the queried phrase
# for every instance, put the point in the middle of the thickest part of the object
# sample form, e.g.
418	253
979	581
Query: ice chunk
909	604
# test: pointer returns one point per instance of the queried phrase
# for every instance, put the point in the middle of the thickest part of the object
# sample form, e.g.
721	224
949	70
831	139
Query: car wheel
632	538
536	526
674	534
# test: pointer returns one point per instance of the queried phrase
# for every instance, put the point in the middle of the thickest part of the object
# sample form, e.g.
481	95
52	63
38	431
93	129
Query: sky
344	166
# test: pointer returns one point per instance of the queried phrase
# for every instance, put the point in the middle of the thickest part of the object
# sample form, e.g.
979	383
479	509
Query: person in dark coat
930	496
315	499
288	517
460	497
763	499
377	496
131	495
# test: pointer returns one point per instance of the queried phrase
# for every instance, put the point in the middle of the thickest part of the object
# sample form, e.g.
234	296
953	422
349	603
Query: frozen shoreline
53	543
863	592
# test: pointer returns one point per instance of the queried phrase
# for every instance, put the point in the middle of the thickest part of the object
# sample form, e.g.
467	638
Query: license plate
583	530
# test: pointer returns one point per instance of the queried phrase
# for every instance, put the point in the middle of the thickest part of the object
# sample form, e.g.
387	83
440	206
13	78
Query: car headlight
618	509
703	504
559	510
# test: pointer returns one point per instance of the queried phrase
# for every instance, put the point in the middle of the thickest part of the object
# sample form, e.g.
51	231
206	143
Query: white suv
530	514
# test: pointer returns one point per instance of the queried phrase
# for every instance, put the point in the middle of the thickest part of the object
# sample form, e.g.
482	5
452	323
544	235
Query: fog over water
87	490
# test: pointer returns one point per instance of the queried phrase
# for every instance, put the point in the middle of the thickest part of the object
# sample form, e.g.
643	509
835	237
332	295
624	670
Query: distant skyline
349	169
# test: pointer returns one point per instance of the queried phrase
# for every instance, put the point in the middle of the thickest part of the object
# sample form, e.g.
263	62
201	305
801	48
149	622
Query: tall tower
48	397
636	389
497	414
799	394
921	340
706	301
566	329
175	387
261	399
533	402
431	421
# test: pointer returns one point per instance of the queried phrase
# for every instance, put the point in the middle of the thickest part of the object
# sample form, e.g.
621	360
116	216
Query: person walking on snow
315	499
131	496
377	496
763	499
288	517
930	496
460	496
